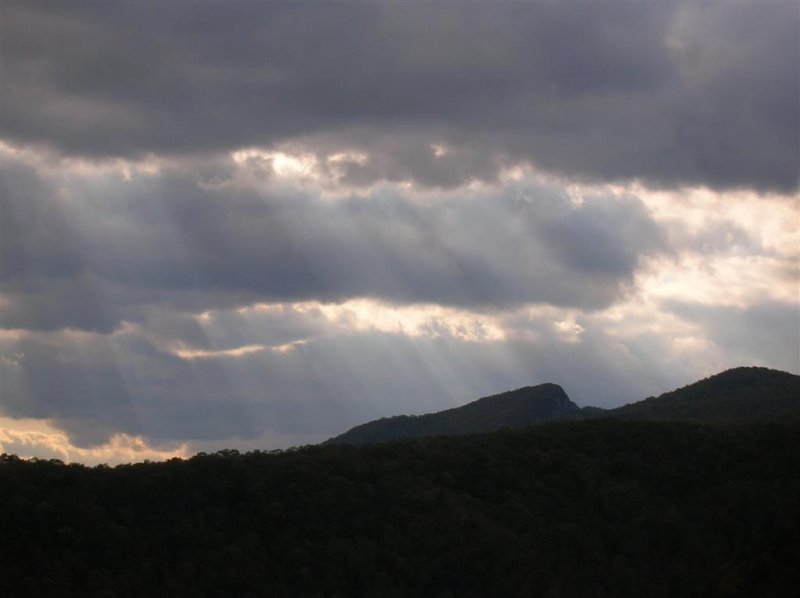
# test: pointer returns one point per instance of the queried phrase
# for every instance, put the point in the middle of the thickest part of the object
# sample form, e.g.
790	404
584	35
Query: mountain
739	395
513	409
605	507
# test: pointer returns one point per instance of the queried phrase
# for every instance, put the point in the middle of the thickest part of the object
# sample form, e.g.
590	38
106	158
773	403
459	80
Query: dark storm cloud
111	248
667	92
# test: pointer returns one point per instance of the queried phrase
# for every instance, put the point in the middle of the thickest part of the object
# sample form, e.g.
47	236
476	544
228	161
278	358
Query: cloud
765	333
291	373
112	248
28	438
95	386
257	224
92	385
672	93
325	368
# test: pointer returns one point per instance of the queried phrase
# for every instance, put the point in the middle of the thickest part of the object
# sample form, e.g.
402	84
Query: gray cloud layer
769	330
93	386
91	252
668	92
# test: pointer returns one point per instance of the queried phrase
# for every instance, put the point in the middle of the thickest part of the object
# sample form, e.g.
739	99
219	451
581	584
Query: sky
254	225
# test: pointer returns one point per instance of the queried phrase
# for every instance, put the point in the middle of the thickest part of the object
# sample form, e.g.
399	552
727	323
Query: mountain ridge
728	396
526	406
742	394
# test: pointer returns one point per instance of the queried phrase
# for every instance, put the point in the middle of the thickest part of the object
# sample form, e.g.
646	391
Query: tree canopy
595	508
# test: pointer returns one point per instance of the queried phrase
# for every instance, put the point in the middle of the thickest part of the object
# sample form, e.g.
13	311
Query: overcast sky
255	225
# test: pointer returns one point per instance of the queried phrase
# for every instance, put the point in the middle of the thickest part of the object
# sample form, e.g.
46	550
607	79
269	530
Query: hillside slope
595	508
745	394
739	395
513	409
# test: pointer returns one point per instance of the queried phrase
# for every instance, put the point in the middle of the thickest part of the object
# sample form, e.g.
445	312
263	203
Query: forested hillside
512	409
597	508
739	395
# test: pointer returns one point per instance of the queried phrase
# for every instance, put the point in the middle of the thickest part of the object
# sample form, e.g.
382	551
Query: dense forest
591	508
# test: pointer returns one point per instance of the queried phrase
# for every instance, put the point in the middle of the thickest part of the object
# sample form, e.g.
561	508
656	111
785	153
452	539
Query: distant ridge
739	395
513	409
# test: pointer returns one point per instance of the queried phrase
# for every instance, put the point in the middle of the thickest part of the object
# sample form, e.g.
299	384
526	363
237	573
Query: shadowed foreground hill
739	395
513	409
595	508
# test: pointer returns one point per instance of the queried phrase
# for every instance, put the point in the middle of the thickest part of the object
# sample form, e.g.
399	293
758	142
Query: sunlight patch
51	163
363	315
190	353
38	438
413	320
733	281
439	149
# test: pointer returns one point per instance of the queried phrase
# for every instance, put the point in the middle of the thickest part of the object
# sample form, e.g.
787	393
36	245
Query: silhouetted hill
742	394
745	394
571	509
513	409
